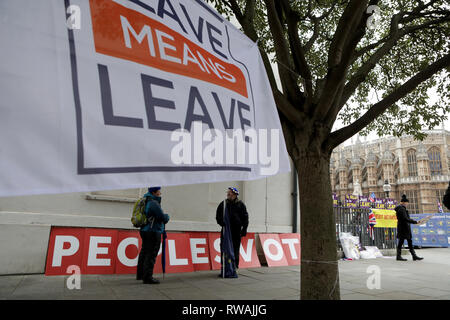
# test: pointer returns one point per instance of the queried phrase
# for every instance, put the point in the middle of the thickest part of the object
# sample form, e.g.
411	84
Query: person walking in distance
446	199
404	229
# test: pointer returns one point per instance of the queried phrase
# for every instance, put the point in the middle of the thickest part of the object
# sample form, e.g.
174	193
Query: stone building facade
419	169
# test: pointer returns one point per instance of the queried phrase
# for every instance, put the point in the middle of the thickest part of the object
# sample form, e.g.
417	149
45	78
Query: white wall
23	248
191	207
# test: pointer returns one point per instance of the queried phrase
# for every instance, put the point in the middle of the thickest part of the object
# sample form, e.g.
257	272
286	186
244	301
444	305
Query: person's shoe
139	278
400	258
417	258
151	281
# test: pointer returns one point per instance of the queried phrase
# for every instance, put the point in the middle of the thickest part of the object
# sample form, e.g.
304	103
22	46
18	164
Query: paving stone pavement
412	280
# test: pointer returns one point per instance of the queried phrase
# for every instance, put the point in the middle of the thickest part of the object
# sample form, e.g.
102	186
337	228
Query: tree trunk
319	268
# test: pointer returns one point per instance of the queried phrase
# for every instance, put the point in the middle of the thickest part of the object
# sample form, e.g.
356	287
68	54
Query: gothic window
412	163
434	155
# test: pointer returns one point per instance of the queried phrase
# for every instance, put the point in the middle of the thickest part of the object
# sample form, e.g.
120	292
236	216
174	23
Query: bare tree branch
341	135
293	115
288	81
297	51
363	71
247	23
339	61
347	24
367	49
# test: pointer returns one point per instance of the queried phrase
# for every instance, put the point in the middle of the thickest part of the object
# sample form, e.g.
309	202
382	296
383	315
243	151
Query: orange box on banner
129	245
200	250
65	248
273	250
178	254
99	253
291	247
115	26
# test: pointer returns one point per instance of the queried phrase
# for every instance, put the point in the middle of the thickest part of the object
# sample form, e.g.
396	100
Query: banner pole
221	244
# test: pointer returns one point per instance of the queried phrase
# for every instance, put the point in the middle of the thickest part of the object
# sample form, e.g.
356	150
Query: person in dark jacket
446	199
151	236
238	219
404	229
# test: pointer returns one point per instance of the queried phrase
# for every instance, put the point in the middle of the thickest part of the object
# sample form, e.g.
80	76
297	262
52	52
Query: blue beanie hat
234	190
153	189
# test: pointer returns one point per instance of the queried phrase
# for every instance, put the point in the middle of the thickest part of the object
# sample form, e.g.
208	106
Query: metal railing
356	221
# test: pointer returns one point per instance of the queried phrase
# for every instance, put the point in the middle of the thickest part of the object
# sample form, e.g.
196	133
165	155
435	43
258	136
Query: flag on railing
440	207
372	197
372	223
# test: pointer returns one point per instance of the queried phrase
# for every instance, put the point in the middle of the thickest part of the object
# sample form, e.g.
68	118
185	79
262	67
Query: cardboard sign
65	248
364	202
214	250
291	247
248	258
178	254
107	251
200	250
390	204
379	203
129	245
99	254
273	250
385	218
351	201
335	200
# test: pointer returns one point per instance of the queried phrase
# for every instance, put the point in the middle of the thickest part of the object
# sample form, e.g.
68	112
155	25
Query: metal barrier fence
356	221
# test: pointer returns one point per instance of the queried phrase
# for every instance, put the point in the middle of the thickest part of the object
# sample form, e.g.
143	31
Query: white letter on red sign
247	256
275	257
291	243
94	250
196	250
59	250
173	260
121	252
217	248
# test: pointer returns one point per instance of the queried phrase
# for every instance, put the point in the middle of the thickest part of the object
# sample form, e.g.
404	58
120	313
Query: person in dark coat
446	199
151	236
404	229
238	219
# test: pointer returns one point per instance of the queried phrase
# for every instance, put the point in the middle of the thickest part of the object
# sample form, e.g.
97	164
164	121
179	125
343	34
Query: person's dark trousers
140	265
410	246
236	238
151	242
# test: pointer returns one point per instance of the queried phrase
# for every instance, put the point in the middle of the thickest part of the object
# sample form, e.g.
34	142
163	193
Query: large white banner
116	94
